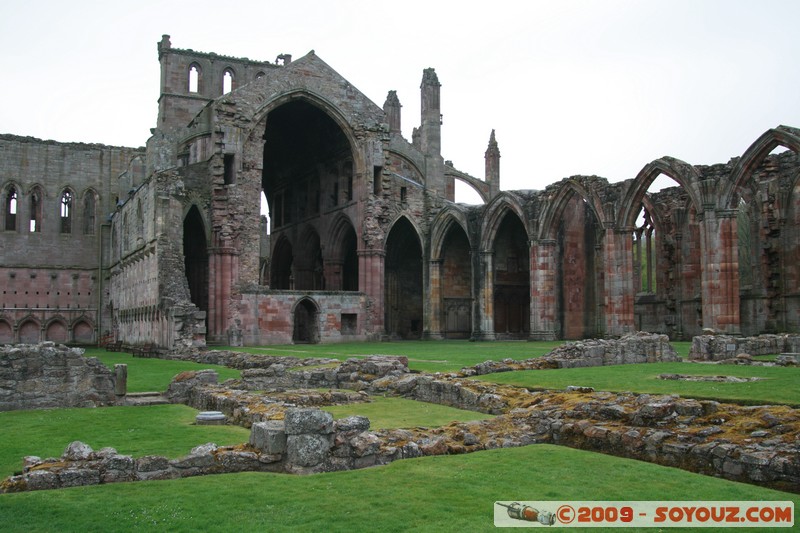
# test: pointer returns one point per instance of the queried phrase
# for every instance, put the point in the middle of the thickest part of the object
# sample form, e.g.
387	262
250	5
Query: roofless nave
166	244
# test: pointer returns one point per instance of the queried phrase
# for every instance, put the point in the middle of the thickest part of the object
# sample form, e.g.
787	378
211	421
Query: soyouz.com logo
643	514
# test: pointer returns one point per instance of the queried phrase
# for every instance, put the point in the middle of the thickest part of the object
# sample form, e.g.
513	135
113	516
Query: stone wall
632	348
720	347
51	375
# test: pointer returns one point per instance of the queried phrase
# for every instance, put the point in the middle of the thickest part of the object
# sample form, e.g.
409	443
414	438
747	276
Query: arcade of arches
363	239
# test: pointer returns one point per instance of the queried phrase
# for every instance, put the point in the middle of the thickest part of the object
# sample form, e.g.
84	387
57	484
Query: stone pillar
486	296
720	271
433	303
619	290
371	282
121	380
543	324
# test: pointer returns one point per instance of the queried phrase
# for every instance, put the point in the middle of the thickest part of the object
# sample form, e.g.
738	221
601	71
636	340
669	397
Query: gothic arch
56	330
281	276
548	228
29	330
305	315
259	121
6	332
342	255
683	173
308	260
781	136
495	213
403	282
82	330
441	226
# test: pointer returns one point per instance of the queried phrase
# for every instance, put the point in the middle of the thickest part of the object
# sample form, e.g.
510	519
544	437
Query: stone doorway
306	328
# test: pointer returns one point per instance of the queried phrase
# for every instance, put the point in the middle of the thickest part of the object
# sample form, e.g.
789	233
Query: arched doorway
196	258
306	328
403	282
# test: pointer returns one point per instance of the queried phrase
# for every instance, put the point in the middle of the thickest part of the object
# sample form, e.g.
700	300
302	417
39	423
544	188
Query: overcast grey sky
571	87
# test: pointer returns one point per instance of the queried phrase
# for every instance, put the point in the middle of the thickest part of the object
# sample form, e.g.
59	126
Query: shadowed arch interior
403	284
195	256
456	275
511	279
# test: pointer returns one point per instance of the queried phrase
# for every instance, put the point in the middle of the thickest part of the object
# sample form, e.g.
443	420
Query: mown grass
154	375
384	413
780	384
155	430
437	494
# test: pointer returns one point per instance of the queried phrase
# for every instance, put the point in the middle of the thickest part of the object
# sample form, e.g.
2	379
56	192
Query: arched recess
495	212
306	322
6	332
195	254
11	205
455	275
82	331
308	263
341	269
511	279
29	331
56	331
403	281
281	276
307	151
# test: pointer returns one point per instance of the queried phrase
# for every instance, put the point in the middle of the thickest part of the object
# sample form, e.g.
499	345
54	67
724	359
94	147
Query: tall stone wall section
48	375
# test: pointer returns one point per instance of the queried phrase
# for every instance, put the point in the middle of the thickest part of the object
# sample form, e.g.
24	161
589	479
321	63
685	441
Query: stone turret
392	109
431	126
492	157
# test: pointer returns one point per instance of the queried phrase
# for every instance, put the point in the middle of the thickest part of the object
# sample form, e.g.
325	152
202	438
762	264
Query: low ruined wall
632	348
36	376
721	347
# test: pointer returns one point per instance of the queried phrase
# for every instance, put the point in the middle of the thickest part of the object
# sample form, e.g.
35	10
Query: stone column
486	296
121	380
720	271
619	290
371	282
433	303
543	290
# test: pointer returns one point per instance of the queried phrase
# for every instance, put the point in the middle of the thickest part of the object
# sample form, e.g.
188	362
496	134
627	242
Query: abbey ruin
166	244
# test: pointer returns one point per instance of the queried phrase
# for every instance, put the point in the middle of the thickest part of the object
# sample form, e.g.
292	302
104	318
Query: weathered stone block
269	437
307	450
302	421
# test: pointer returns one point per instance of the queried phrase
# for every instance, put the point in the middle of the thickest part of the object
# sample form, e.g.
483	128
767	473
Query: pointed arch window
11	209
89	215
227	81
644	258
66	212
35	224
194	78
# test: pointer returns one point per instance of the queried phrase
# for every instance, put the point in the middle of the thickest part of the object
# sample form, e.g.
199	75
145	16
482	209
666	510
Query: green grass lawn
387	413
154	375
449	493
155	430
436	494
779	386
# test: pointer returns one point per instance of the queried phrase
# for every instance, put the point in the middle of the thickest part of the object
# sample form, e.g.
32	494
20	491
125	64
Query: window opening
66	212
229	174
194	79
227	81
35	225
11	209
